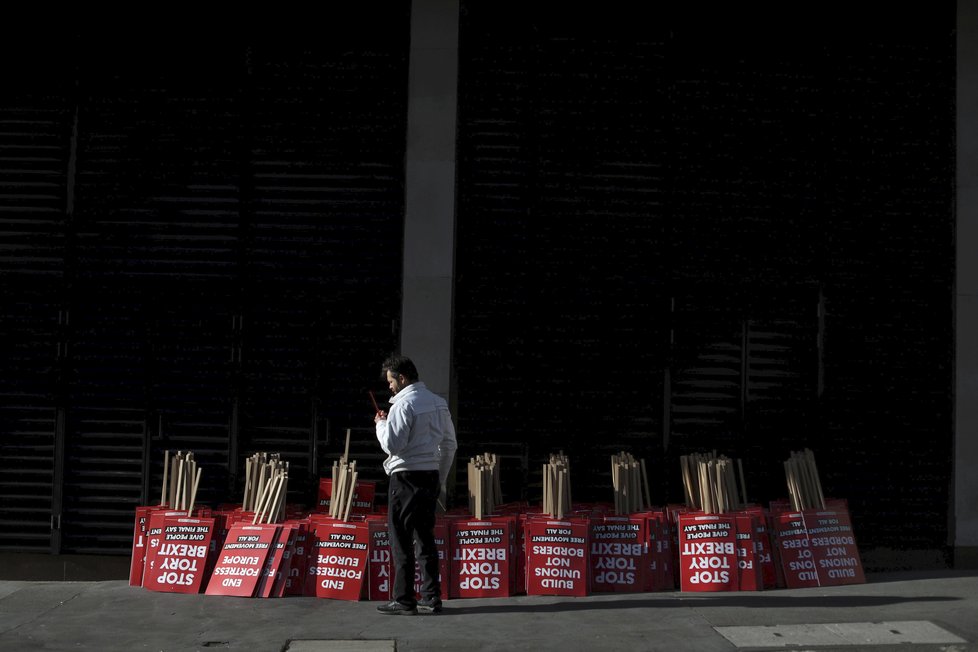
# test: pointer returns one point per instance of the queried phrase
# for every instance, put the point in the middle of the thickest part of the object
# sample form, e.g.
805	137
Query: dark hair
399	364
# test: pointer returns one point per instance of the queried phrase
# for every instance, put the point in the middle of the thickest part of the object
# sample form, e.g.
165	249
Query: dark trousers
411	500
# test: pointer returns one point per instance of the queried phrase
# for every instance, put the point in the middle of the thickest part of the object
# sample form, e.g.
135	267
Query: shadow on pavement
915	575
457	607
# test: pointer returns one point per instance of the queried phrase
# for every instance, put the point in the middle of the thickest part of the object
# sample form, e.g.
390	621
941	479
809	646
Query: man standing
419	438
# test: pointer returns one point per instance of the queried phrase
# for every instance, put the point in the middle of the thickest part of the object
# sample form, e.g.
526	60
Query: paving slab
838	634
341	646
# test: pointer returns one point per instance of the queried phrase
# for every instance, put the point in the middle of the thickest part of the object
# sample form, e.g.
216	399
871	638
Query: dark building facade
672	234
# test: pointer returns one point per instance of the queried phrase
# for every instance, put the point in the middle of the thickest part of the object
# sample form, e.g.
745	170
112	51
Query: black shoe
395	608
429	605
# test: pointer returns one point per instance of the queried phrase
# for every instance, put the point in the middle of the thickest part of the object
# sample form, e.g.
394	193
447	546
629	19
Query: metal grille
35	150
654	200
233	237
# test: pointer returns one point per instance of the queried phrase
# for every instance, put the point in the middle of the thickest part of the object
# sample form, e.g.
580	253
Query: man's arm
447	447
394	431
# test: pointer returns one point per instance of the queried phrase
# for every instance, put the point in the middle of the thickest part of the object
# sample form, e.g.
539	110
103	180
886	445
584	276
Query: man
419	438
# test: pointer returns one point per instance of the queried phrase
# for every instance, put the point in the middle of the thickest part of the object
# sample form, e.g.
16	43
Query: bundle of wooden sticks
344	484
266	487
710	483
181	477
485	491
557	486
803	484
631	484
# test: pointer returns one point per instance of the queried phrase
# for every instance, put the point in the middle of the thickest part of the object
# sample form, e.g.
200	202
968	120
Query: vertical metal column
429	206
964	528
61	389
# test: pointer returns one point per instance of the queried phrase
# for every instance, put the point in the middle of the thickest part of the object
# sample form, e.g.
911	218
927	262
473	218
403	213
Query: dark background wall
676	233
202	252
681	234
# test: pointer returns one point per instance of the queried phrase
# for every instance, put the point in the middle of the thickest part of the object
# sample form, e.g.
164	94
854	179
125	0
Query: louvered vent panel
324	235
30	343
159	166
107	350
888	296
605	166
560	235
781	399
780	174
36	116
103	478
744	209
707	373
26	473
159	169
194	343
34	150
745	380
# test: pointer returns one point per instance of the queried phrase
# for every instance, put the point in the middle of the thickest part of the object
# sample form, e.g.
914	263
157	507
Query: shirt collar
410	389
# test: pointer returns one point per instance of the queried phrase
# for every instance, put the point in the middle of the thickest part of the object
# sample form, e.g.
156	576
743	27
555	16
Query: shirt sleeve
394	432
448	445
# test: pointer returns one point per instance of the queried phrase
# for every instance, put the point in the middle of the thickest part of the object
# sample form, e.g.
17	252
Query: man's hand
443	498
380	416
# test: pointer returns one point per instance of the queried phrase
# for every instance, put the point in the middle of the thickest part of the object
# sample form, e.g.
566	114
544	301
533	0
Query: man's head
399	371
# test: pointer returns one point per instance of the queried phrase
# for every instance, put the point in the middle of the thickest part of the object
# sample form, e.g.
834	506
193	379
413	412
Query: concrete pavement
912	611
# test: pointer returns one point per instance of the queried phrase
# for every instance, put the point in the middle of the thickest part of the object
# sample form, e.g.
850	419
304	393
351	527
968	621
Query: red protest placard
557	557
707	553
519	555
780	506
378	561
763	552
797	560
748	564
138	557
285	568
363	496
619	554
310	572
181	555
272	571
481	555
833	547
295	584
154	536
240	562
662	575
340	559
